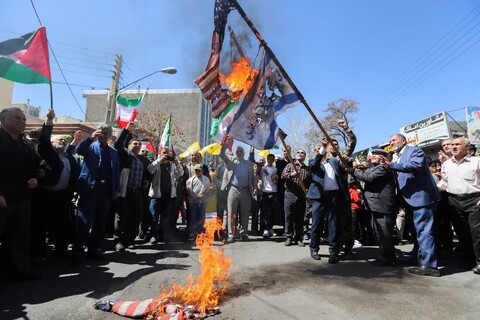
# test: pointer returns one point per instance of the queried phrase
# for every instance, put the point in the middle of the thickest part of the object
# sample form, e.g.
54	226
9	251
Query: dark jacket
379	189
317	168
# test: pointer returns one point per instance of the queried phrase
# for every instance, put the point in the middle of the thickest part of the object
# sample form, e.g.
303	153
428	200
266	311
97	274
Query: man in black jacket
18	169
381	200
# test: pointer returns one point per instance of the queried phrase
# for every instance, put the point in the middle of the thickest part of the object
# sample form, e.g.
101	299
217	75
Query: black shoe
476	270
119	247
142	235
425	271
95	255
333	259
244	237
314	254
382	263
288	242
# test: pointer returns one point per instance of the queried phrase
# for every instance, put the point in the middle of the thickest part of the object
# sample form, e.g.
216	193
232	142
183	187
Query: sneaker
153	240
272	233
357	244
230	239
119	247
333	259
266	234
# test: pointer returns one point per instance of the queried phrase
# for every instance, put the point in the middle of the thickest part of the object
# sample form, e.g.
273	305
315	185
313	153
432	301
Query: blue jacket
414	178
91	152
317	169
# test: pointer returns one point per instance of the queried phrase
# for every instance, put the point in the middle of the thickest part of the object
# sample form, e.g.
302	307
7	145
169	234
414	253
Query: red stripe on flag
131	308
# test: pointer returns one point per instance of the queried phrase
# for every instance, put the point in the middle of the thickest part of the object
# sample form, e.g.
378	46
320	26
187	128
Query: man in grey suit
239	180
381	201
420	195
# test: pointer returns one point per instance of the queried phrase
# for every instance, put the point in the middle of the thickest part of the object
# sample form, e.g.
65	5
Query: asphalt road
268	281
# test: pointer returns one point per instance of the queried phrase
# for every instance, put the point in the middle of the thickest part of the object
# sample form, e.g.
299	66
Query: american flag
209	81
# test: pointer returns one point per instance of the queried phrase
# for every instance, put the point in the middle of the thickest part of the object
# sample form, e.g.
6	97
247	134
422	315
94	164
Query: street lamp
169	70
113	93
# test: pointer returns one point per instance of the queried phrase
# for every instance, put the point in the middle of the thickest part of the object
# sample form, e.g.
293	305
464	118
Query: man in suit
381	201
55	192
97	185
239	180
327	193
420	195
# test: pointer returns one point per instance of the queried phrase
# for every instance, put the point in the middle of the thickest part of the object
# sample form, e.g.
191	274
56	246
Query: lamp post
114	90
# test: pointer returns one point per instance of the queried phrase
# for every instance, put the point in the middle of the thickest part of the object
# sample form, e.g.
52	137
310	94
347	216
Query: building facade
187	106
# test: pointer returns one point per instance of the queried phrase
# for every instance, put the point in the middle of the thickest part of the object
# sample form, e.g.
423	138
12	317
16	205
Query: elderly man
98	184
239	180
381	201
420	195
55	192
295	175
18	169
461	179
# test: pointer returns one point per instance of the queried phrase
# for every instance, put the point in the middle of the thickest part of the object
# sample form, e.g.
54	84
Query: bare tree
342	109
152	123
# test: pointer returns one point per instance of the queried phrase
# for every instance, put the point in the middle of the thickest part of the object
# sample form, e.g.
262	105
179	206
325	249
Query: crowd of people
70	196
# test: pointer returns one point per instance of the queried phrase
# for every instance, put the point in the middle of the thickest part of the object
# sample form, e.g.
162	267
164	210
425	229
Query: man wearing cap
97	185
239	180
381	201
461	179
420	195
197	191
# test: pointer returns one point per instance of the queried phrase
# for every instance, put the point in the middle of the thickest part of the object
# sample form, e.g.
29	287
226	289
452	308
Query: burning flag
254	123
25	59
209	81
196	300
128	109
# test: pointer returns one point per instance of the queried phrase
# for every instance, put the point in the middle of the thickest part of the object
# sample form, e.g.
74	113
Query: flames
240	80
211	283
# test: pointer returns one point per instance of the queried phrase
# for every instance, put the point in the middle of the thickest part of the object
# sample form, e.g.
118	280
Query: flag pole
287	77
51	95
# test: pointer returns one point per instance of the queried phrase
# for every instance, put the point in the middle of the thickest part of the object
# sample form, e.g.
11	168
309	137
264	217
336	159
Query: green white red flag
128	109
25	59
165	140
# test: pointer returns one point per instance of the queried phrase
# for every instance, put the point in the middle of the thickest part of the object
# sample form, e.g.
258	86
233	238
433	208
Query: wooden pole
287	77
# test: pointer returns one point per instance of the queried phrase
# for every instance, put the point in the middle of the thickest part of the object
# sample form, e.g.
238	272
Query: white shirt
268	185
330	183
65	175
461	177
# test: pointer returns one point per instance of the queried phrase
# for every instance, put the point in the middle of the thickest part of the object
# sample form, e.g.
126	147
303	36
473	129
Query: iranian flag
128	109
165	140
25	59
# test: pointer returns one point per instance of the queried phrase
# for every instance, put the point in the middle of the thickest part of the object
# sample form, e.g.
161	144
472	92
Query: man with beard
55	191
295	174
420	195
381	200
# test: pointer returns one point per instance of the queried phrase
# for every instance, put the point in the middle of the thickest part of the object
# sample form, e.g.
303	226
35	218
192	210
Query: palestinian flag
128	109
25	59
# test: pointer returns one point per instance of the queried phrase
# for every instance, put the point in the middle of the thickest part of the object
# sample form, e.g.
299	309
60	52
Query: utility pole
110	114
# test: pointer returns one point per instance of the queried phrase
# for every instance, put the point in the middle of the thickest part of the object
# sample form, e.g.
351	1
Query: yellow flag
213	149
194	146
264	153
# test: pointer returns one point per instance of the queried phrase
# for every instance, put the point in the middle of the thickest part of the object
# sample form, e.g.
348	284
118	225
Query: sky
401	60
